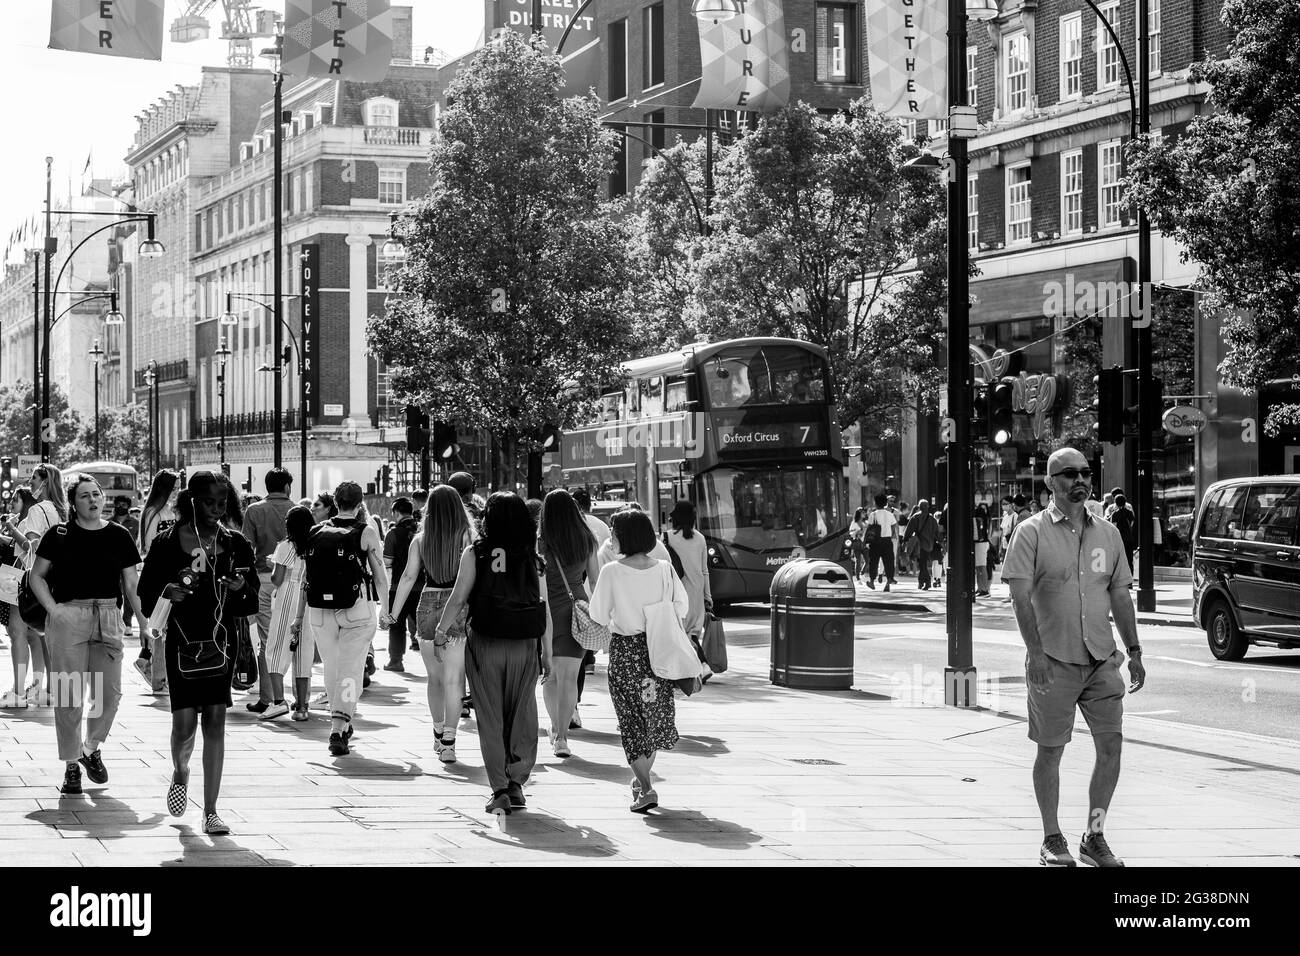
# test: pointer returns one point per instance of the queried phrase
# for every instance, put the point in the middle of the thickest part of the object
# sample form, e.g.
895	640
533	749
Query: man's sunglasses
1073	473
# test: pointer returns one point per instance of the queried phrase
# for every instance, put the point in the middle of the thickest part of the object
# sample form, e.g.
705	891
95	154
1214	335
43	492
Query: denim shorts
429	612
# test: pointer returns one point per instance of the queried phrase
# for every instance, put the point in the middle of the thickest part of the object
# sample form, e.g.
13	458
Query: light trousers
85	642
343	637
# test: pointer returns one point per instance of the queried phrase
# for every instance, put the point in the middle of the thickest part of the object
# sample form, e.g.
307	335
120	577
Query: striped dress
285	605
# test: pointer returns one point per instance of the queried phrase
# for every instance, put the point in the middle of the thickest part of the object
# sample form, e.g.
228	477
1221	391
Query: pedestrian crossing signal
1001	425
443	444
1109	405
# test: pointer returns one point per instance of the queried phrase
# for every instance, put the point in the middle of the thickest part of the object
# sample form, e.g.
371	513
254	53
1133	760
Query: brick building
353	154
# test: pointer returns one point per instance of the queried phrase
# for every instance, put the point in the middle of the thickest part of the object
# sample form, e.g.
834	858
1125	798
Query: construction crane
238	27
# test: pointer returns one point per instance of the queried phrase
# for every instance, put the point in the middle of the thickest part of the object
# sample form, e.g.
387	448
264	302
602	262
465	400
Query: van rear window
1222	517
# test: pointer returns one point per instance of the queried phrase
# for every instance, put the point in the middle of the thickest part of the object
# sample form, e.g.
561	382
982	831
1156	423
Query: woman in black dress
207	573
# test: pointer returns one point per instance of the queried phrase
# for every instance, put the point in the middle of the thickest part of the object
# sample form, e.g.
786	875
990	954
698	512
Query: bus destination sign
739	434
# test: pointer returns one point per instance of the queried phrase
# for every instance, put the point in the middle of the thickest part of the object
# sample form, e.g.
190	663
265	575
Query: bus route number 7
803	440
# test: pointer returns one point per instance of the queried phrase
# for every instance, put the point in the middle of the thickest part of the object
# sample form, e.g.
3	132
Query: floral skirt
643	702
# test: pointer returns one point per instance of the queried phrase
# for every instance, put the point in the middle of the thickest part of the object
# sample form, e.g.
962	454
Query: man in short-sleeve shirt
1068	574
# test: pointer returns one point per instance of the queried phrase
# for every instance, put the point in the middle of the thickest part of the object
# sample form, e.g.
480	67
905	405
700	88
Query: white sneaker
13	700
561	747
274	711
144	667
321	700
37	697
448	753
438	745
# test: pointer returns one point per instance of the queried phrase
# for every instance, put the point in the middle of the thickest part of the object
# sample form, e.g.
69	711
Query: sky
74	105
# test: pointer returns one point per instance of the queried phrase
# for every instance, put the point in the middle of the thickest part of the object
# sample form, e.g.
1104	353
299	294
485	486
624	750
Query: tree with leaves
1226	191
509	313
16	422
818	233
123	437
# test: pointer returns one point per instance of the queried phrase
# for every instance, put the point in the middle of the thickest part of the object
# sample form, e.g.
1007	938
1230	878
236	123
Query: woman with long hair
642	700
693	553
856	529
569	550
25	646
83	569
509	643
158	515
234	519
207	573
51	509
436	551
289	565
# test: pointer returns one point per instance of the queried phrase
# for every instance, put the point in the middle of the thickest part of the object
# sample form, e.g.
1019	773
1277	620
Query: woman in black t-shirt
207	573
82	568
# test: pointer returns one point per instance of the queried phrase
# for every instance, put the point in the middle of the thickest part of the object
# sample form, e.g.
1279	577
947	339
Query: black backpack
506	602
336	566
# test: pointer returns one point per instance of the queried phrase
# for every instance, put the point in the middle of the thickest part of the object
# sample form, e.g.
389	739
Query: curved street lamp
719	11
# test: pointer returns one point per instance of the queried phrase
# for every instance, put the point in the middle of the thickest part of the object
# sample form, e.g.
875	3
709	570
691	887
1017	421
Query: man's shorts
1097	690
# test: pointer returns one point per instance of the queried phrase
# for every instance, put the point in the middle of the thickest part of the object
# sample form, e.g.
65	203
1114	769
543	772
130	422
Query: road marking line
1149	713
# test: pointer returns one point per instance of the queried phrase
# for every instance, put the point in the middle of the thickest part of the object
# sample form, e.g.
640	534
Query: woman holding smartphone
206	571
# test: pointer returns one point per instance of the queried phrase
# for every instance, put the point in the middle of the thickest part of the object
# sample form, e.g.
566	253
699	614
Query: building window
392	186
837	43
1072	192
1015	57
972	77
972	211
1153	36
261	205
910	129
656	134
1071	34
1107	52
198	232
1110	161
617	60
381	111
618	178
1019	219
652	50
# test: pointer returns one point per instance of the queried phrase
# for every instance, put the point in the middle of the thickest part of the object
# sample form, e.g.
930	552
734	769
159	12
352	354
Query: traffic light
1109	405
1153	407
550	439
979	415
444	446
417	429
1001	425
6	479
384	476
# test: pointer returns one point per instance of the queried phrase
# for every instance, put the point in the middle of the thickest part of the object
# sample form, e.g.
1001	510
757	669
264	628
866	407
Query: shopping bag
672	656
715	645
245	675
9	578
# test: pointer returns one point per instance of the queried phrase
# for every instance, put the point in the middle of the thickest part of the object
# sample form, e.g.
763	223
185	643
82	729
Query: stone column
358	310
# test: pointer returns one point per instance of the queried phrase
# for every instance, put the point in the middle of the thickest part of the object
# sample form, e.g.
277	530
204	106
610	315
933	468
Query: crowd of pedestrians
488	593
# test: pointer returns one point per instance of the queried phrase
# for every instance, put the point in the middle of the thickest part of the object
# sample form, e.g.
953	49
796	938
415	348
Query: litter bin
812	626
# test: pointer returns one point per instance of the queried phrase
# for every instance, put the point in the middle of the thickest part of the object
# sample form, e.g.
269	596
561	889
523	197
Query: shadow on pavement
692	826
356	765
548	834
198	849
95	810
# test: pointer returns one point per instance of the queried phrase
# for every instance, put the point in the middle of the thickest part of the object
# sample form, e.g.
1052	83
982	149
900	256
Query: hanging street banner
132	28
745	62
581	54
344	39
907	48
309	275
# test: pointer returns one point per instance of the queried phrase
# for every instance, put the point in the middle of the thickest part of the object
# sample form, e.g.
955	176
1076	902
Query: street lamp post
223	354
151	382
276	53
230	319
96	353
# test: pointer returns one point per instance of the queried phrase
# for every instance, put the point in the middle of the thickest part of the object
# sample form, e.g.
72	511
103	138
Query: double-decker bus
746	429
117	480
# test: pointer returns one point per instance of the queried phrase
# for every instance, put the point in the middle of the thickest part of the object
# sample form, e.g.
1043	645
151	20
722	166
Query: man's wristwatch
1134	651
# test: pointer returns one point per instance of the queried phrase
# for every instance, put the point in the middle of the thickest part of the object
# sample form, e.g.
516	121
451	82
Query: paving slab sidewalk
763	775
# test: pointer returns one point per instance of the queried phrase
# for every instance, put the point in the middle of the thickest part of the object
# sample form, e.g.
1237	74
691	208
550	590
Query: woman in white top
51	509
284	641
693	554
158	515
880	542
26	644
609	552
642	701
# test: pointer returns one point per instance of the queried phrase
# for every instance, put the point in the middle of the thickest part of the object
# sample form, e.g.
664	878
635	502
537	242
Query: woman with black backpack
509	643
82	569
569	549
208	573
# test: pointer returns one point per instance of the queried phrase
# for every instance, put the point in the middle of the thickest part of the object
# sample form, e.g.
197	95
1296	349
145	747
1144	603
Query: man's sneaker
500	803
321	701
13	700
395	666
94	765
1055	852
71	780
338	745
515	794
258	706
1094	851
448	752
300	713
277	709
38	696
